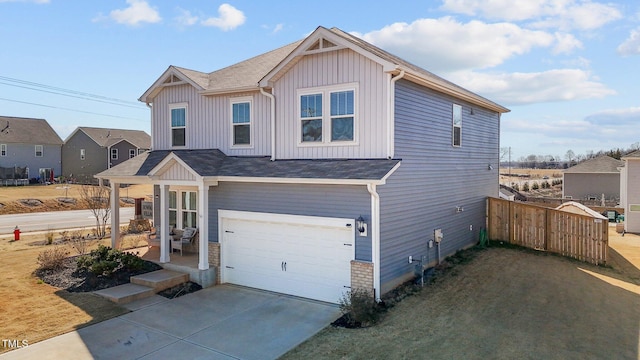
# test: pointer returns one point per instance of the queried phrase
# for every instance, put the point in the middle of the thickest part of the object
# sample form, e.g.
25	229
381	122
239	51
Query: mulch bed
72	279
180	290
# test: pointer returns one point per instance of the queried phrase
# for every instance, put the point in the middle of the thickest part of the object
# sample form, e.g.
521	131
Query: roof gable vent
321	44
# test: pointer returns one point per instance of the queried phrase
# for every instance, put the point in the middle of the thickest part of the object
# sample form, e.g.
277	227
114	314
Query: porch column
203	221
115	214
164	223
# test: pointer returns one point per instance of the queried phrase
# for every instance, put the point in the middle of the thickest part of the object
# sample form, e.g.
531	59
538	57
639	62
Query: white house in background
317	167
630	191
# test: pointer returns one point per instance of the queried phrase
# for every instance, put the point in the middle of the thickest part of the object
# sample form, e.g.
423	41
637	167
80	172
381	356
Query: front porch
186	263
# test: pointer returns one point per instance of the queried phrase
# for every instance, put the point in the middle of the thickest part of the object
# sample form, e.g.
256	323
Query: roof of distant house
18	130
601	164
635	154
108	137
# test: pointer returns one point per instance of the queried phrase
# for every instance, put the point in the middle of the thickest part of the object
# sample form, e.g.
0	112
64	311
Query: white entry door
304	256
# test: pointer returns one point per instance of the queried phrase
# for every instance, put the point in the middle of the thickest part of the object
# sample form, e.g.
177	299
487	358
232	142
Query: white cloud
566	43
185	18
229	18
562	14
278	28
444	44
138	12
529	88
631	46
617	117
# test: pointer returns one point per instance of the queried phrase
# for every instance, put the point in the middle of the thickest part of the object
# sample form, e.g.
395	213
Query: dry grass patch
34	311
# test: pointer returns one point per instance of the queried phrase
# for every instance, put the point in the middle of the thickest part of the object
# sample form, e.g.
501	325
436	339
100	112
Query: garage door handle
285	266
228	231
347	244
229	267
282	266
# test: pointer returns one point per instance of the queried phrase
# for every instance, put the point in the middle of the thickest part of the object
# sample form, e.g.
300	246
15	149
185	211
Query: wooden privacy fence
573	235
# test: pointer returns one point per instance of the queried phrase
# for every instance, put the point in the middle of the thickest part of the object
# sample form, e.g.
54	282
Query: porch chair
153	236
187	239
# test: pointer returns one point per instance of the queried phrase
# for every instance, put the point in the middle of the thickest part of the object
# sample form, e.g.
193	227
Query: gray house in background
29	143
592	178
89	150
630	191
318	167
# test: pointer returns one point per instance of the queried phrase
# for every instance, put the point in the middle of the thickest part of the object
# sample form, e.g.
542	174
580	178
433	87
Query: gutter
391	113
273	122
151	116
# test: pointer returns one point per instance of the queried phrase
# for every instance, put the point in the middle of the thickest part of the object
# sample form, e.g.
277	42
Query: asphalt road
55	220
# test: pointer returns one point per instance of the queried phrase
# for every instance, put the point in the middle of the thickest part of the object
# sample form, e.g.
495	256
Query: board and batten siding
434	179
328	69
632	218
293	199
208	123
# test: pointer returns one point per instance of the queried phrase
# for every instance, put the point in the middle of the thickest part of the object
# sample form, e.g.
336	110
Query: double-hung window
114	154
3	149
178	124
241	122
328	116
39	151
457	125
82	154
183	207
132	153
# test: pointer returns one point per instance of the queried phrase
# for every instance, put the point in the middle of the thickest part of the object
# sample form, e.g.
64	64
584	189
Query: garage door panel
317	256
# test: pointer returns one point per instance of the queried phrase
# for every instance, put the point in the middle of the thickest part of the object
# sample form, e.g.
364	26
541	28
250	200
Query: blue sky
568	69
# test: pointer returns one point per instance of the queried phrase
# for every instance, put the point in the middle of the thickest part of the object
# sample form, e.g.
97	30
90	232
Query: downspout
391	113
273	122
375	238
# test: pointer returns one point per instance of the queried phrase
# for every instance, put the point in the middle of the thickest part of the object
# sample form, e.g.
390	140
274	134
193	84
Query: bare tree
98	199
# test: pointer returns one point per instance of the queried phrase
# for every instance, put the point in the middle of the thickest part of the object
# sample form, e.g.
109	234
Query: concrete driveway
222	322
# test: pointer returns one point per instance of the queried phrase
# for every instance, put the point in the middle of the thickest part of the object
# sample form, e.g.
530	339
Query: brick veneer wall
214	258
362	275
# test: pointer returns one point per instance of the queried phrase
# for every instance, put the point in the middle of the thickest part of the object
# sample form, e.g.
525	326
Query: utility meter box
437	235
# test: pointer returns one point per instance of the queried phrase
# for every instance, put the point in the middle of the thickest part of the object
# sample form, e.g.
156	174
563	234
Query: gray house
320	166
592	178
29	149
630	191
89	150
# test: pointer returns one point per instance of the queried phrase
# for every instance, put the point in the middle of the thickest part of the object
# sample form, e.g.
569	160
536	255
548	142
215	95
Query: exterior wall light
361	225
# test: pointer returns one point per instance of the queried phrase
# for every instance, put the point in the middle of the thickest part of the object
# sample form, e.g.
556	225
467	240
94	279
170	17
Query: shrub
516	187
80	244
104	261
359	308
525	187
52	259
49	237
535	186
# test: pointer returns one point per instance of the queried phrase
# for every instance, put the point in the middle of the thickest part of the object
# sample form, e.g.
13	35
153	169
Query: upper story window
82	154
3	149
39	151
457	124
114	154
178	124
328	115
132	153
241	122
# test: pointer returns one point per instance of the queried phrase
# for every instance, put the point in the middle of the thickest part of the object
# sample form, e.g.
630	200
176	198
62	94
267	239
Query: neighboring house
29	143
318	167
89	150
592	178
630	191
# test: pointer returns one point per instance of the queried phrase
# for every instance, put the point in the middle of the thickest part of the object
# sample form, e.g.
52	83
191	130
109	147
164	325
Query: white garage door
304	256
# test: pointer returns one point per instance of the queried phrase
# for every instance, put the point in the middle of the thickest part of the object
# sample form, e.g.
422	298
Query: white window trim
83	154
634	207
113	154
182	105
132	153
41	150
240	100
453	126
178	209
326	115
3	150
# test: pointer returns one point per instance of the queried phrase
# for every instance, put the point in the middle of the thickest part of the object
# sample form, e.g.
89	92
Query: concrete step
160	280
126	293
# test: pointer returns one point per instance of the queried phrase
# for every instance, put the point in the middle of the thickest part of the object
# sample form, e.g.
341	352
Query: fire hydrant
16	234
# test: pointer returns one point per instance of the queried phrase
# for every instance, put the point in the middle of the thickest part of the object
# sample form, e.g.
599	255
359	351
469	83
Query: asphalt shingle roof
107	137
19	130
601	164
213	162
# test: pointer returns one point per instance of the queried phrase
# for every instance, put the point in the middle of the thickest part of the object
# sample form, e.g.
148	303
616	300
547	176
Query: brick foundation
362	275
214	259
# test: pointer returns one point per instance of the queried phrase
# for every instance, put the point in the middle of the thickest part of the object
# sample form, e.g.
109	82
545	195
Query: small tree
535	185
525	186
98	199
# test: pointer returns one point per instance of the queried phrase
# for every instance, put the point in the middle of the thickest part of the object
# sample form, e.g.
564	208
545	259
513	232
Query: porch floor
188	259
